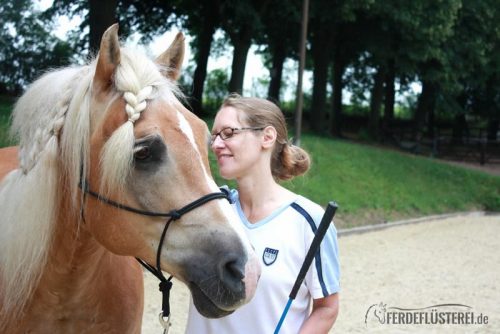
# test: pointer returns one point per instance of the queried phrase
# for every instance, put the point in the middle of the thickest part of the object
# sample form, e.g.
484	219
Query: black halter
165	284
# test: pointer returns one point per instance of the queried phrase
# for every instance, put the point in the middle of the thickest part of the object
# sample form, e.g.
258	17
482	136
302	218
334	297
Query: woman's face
239	154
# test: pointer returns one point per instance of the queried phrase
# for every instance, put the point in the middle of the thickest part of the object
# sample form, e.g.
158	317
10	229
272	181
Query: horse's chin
205	306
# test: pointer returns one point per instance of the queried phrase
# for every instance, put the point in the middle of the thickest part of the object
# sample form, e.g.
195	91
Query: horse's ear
108	58
171	60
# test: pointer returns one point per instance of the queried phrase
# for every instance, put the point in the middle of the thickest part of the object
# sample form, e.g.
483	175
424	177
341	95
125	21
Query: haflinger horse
95	143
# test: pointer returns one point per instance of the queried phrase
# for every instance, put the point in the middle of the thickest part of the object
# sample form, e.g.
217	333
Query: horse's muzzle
231	285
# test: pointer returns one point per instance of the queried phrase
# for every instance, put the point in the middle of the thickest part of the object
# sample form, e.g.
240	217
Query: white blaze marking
188	131
225	208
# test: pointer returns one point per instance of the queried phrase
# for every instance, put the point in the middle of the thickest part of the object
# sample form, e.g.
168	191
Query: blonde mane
53	121
139	80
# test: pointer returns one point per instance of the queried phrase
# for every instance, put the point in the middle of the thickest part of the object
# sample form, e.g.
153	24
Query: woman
249	139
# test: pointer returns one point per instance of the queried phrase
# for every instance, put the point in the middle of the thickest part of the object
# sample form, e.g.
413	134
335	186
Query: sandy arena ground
448	261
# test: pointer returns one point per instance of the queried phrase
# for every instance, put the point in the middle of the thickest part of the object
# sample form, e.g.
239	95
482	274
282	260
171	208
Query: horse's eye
143	153
149	152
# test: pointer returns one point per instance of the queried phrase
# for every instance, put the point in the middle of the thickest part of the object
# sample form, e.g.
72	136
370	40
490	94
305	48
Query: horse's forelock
140	81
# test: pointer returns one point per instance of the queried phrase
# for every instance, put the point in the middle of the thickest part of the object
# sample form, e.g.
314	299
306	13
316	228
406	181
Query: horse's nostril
232	271
235	270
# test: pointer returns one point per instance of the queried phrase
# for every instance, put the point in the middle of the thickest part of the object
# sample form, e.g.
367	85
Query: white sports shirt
281	241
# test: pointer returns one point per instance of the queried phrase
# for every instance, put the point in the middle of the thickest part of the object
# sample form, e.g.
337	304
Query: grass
6	104
372	185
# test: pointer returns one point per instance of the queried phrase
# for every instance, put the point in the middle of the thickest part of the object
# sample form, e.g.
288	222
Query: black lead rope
165	284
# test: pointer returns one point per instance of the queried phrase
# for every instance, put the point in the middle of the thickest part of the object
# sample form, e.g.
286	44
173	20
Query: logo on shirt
269	256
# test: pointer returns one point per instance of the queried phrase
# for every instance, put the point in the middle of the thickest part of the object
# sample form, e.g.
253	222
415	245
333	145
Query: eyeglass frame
213	137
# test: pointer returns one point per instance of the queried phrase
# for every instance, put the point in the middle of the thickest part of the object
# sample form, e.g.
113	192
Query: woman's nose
217	142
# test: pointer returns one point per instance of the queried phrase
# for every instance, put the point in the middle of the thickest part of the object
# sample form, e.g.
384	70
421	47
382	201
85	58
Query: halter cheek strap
165	284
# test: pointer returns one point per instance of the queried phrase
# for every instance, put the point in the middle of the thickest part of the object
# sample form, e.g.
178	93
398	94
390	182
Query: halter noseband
165	284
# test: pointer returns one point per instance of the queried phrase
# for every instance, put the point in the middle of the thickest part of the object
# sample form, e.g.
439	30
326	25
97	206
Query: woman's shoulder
313	209
315	212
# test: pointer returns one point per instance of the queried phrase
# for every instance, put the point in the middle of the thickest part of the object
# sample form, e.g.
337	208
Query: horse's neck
84	287
75	263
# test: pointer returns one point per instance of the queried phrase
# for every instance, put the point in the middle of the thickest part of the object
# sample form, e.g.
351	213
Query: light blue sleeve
326	264
330	261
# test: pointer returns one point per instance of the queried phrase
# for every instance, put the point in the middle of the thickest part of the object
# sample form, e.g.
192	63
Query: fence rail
474	146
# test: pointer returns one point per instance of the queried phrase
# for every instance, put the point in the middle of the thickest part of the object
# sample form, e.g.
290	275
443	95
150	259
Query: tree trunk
426	103
492	129
203	44
338	71
431	123
276	73
320	76
376	102
492	114
460	130
241	45
390	93
300	73
102	14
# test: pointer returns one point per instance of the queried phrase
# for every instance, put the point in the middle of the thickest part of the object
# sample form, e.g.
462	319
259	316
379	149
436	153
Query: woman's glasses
228	132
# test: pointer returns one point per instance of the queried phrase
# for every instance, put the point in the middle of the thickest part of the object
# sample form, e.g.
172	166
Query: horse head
147	151
379	312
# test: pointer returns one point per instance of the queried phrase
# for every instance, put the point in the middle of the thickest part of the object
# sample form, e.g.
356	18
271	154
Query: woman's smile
222	157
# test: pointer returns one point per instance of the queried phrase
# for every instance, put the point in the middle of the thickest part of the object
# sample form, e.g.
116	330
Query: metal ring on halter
164	323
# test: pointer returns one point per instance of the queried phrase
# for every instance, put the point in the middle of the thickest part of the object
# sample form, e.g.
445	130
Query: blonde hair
29	194
287	160
53	123
140	80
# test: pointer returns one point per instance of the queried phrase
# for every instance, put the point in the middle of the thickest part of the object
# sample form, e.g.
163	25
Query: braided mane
138	85
53	122
28	195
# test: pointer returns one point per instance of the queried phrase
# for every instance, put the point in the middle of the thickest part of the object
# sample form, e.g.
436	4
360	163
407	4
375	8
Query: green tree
97	17
329	24
150	18
201	19
471	66
280	37
27	47
400	40
241	21
216	89
347	51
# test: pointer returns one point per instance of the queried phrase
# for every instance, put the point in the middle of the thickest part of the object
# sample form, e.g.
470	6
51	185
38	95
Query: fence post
482	151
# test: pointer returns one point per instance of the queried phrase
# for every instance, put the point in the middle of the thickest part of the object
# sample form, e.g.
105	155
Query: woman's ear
269	137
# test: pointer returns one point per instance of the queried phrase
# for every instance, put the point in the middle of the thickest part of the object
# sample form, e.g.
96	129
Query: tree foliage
27	46
216	89
366	47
